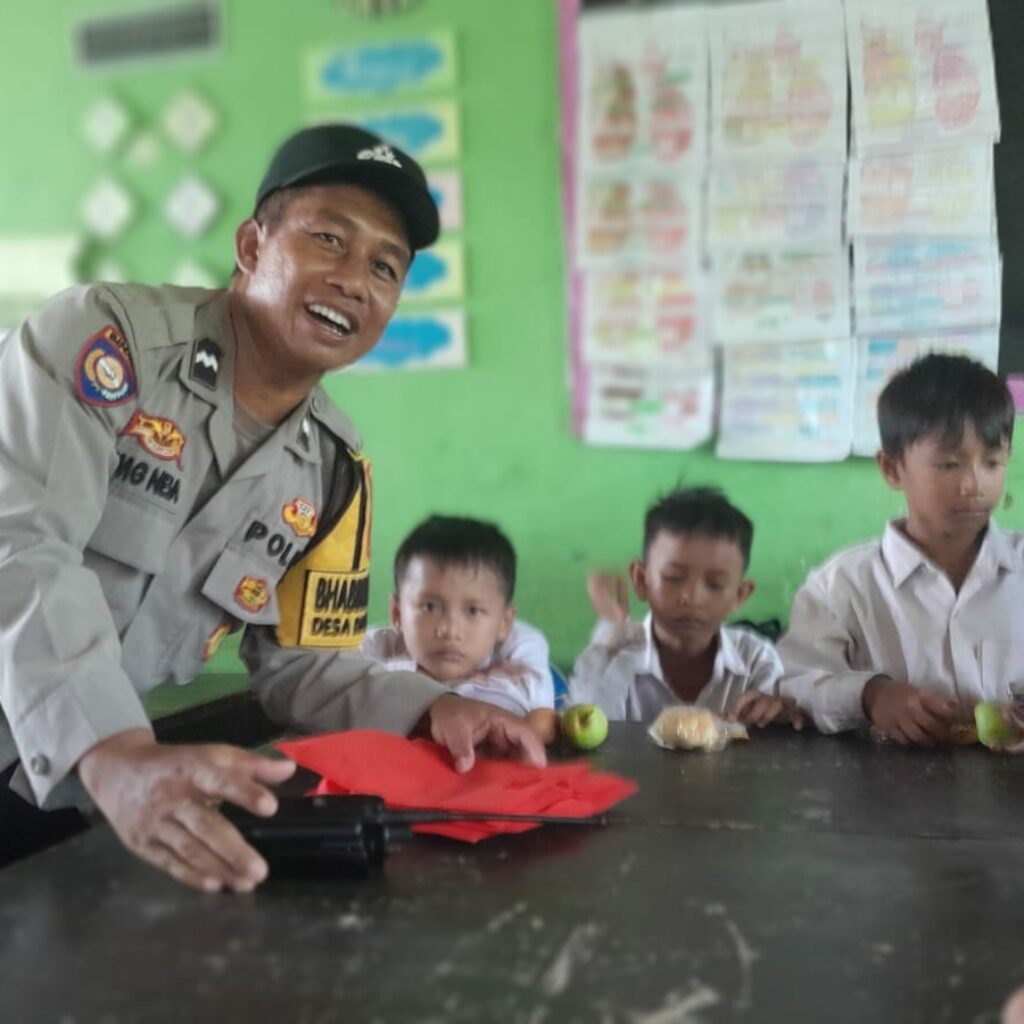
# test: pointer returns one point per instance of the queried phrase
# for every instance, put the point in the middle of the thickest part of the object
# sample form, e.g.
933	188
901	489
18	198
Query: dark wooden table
796	878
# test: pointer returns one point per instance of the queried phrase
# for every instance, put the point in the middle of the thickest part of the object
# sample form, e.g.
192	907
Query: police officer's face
324	276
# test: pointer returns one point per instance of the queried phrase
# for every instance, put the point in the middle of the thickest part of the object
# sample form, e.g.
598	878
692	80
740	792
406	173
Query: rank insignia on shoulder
252	593
206	360
104	374
301	516
216	638
160	437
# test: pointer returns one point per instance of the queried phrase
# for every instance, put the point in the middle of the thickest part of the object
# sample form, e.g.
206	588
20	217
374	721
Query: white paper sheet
778	78
787	403
925	285
775	295
652	406
643	90
880	356
921	72
645	316
775	202
947	191
639	218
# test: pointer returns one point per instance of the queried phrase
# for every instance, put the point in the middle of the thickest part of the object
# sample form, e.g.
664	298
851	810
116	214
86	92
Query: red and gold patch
160	436
252	593
215	639
301	516
104	374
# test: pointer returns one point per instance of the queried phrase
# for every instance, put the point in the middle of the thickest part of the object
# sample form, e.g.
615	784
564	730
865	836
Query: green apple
585	725
993	729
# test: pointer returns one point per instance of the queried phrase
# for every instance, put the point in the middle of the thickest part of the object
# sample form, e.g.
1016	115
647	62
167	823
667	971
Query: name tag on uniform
333	610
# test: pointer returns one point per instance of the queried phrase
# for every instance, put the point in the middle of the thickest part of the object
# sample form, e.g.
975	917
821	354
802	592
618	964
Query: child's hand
761	709
906	713
609	595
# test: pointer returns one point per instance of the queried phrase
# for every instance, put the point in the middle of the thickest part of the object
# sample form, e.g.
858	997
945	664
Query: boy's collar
727	657
904	557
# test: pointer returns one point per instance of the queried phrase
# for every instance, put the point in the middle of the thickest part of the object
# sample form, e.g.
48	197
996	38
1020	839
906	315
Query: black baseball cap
329	154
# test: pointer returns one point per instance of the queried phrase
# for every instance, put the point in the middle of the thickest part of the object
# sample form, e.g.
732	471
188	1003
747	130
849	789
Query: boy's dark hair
937	396
455	540
703	510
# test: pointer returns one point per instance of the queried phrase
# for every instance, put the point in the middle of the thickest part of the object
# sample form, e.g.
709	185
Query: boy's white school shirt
620	671
516	676
884	608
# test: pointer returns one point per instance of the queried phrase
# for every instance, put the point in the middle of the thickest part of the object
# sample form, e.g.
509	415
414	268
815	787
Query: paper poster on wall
645	316
924	285
776	202
638	218
418	340
921	72
651	406
436	273
446	189
923	192
774	295
778	78
394	67
880	356
427	131
643	89
787	403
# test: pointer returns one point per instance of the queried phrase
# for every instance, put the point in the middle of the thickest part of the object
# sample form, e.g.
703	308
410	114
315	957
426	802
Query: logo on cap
382	153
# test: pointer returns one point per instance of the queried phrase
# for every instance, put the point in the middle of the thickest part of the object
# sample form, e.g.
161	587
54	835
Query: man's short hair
456	540
938	396
699	510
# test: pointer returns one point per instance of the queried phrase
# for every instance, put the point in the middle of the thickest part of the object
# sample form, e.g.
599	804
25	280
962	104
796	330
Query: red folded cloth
420	774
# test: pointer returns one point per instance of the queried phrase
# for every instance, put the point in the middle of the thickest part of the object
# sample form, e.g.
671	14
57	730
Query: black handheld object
349	833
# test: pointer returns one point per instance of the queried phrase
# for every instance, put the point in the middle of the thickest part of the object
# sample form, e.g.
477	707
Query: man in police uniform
170	472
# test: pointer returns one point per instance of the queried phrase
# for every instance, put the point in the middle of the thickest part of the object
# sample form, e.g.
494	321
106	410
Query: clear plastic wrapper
687	727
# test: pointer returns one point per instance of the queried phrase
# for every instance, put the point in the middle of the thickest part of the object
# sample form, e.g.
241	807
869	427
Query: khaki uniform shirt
133	538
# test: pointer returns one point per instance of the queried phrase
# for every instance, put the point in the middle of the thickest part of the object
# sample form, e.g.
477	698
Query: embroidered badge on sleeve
158	435
300	515
252	593
104	374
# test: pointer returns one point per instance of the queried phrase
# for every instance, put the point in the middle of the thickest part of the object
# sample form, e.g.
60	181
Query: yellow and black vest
323	598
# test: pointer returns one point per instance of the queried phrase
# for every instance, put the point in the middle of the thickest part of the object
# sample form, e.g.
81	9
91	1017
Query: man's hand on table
162	802
908	714
461	725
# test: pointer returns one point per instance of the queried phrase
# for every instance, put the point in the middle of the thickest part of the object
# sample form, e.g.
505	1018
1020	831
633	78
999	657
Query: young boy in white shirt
692	574
908	632
453	618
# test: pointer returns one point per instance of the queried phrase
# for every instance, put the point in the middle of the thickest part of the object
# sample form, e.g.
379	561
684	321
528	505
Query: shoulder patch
104	374
206	360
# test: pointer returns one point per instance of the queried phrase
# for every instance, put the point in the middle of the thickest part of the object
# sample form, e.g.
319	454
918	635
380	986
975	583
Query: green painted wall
492	440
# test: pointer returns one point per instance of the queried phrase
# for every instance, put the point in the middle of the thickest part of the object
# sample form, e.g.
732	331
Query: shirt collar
904	557
727	657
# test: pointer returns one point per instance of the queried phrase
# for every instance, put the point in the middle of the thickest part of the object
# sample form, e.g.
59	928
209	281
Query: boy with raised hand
692	574
906	631
453	617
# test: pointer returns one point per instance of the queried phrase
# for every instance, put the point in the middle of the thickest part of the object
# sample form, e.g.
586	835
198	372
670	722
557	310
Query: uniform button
39	764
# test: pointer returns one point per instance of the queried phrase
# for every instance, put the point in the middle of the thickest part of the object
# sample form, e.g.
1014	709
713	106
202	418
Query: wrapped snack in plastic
691	728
